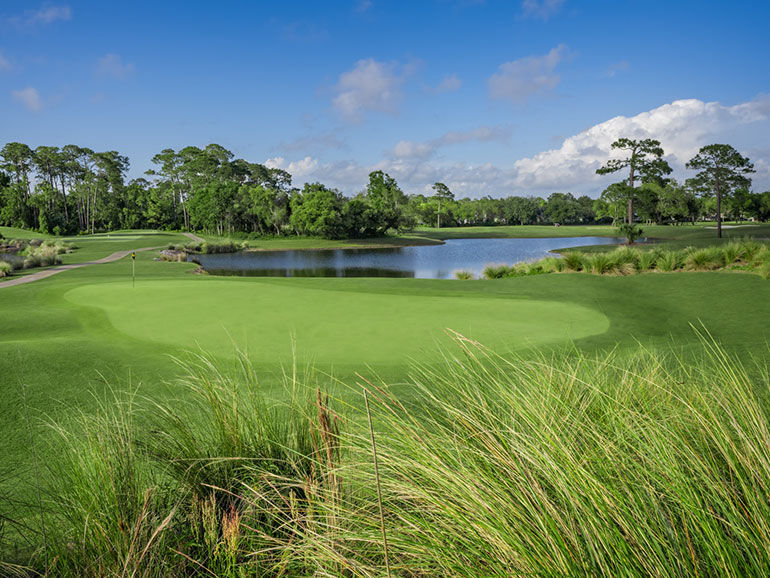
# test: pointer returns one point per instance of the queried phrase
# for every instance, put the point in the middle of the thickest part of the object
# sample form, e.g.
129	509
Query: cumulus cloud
298	169
46	14
29	97
520	79
450	83
541	9
406	149
369	86
682	127
112	65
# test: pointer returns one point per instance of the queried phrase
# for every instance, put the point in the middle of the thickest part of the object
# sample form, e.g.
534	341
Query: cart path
194	237
60	268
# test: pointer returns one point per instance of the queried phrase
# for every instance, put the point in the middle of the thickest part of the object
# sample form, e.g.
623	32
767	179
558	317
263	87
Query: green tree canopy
644	162
722	169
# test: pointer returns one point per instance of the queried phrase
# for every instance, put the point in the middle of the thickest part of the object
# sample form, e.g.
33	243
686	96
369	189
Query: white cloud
29	97
405	149
541	9
450	83
5	64
519	79
682	127
46	14
369	86
297	169
112	65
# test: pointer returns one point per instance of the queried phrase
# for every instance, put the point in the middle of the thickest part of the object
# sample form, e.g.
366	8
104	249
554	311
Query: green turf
292	242
329	326
64	337
14	233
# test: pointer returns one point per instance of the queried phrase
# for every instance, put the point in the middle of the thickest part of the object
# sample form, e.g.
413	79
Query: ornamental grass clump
464	275
670	261
646	260
573	261
495	271
599	263
707	259
107	508
5	269
569	465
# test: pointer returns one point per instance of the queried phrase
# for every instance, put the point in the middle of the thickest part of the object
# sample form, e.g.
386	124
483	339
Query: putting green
327	326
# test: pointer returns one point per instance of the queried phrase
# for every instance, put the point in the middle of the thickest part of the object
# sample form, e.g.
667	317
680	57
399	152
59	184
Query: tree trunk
719	213
631	196
438	215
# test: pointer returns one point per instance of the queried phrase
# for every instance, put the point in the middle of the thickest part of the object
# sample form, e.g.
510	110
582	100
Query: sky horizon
490	97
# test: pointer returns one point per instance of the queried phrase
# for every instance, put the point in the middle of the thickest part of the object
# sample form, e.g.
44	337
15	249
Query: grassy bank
502	466
745	256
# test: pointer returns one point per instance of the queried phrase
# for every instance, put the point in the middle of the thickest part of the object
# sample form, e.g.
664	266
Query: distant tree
521	210
442	192
386	199
612	202
722	170
644	162
740	203
562	208
318	211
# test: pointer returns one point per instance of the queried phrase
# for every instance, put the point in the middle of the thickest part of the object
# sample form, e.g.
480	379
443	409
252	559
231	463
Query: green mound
327	326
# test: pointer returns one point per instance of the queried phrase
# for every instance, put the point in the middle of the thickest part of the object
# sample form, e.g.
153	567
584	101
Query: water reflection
425	262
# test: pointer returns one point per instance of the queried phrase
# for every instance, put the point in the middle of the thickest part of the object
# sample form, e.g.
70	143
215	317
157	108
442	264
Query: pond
423	262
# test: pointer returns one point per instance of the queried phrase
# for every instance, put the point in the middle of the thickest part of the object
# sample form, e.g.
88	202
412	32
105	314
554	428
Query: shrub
630	231
732	253
5	269
573	261
646	260
495	271
598	263
670	261
625	255
552	265
704	259
464	275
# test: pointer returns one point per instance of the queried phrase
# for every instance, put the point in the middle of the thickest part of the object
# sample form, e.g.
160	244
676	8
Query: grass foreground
497	466
89	339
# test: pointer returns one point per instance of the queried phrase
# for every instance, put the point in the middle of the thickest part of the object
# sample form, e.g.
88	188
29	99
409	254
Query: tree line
72	189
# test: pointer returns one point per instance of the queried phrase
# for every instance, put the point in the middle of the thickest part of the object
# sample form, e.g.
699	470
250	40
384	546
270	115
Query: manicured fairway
328	325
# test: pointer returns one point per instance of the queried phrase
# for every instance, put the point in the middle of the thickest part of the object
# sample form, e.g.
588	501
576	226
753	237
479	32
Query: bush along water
568	465
747	255
33	253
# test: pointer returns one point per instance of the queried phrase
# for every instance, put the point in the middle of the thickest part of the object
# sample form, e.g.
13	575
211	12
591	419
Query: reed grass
560	464
747	255
569	466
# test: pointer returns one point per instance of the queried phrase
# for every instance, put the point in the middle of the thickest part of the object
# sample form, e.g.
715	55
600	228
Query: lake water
423	262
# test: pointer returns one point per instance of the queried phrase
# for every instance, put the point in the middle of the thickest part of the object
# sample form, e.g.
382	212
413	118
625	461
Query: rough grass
747	255
497	466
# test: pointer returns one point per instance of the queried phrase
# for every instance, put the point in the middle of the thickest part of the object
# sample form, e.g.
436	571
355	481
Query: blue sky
490	97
